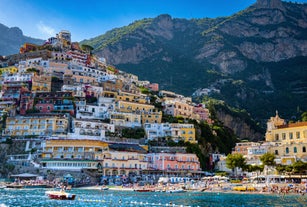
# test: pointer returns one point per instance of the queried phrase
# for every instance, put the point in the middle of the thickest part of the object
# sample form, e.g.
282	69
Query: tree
268	159
304	116
234	161
299	167
87	48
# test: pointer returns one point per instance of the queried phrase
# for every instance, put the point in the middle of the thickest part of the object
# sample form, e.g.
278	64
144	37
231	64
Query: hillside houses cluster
287	141
77	105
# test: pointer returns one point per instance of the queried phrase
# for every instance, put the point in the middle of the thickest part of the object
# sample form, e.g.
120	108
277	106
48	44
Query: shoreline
230	191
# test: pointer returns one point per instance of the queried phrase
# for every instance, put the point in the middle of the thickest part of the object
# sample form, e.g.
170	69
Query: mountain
254	59
11	39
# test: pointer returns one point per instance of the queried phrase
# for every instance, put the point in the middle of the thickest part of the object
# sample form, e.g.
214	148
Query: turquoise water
37	197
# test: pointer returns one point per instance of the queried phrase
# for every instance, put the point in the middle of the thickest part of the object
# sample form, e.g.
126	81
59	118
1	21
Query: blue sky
89	18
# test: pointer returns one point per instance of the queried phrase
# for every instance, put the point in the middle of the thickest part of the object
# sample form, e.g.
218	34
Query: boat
14	186
144	190
60	195
104	188
176	191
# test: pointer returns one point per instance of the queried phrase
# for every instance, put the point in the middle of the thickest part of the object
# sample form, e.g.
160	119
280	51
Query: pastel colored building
90	129
38	125
9	70
242	147
201	113
26	102
185	132
72	154
288	140
61	102
174	163
41	83
124	162
178	108
125	119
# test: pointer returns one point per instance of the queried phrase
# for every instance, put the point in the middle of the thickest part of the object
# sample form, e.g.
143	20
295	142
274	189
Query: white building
125	119
90	129
155	130
100	110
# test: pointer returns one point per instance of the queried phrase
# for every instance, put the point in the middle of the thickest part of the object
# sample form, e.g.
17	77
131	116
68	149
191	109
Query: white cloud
45	31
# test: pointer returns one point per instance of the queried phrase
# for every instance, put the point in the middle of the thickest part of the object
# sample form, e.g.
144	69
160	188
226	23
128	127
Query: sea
109	198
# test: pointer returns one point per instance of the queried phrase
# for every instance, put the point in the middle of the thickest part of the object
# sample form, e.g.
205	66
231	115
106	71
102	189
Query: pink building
173	162
153	86
202	113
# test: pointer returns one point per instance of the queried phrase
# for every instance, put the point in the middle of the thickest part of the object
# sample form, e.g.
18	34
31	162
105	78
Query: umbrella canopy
25	175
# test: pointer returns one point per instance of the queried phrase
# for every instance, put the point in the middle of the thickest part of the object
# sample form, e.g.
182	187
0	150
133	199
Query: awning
25	175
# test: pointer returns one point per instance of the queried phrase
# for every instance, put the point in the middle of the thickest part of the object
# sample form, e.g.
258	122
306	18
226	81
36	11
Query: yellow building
126	106
131	97
152	117
178	108
95	155
124	162
125	119
148	112
184	131
38	125
73	154
112	85
289	140
41	83
9	70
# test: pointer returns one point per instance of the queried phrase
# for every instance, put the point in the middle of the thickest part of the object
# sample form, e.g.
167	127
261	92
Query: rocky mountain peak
270	4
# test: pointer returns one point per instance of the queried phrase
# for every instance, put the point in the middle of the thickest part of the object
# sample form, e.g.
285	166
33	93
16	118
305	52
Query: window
295	150
290	135
298	135
283	135
276	152
276	137
287	150
304	149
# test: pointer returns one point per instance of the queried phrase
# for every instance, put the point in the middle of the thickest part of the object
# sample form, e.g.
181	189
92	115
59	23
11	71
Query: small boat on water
176	191
60	195
14	186
103	188
144	190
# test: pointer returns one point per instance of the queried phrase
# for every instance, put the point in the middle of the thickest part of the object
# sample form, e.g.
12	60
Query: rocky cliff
11	39
240	128
252	59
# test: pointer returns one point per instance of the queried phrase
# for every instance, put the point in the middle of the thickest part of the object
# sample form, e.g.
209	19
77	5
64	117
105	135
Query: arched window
295	150
287	150
304	149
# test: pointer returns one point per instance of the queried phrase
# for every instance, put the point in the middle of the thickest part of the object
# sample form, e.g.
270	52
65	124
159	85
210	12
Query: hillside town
80	116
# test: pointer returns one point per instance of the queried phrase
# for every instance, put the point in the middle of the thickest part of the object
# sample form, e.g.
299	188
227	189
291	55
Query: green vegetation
234	161
135	133
144	90
298	167
87	48
115	35
268	159
34	70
